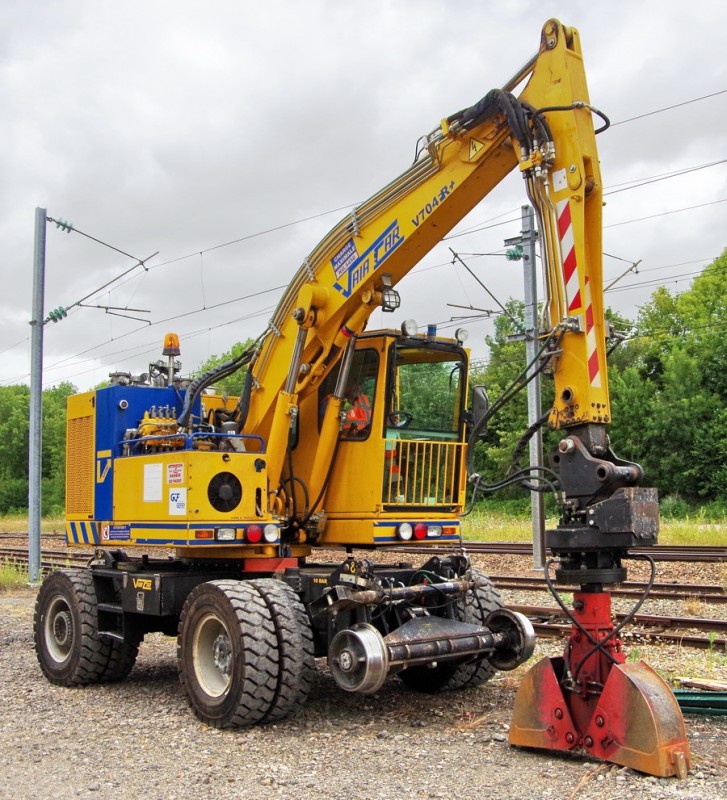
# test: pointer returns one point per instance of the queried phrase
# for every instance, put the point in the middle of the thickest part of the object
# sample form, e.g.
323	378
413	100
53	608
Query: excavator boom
342	280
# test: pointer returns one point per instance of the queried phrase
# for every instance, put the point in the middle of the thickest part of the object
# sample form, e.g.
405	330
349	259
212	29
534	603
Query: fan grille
224	492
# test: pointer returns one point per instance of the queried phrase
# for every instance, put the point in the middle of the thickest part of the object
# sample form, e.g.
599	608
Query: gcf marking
357	269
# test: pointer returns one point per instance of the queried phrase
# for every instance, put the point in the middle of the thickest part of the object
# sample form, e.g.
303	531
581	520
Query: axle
361	659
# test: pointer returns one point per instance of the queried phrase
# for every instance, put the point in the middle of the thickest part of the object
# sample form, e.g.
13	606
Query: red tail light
254	534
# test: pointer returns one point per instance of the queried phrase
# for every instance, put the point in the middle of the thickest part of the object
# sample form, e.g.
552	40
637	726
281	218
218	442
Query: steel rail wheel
228	654
474	607
66	630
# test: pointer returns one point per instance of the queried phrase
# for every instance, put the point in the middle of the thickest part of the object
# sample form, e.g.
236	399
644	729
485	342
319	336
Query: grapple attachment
619	712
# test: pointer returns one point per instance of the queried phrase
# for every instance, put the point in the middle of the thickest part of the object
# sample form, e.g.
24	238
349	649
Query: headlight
404	531
271	533
225	534
409	327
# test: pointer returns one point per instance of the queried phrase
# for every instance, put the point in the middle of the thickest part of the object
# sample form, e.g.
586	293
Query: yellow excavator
355	440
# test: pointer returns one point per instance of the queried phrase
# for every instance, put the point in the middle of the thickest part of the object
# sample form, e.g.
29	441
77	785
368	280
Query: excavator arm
547	132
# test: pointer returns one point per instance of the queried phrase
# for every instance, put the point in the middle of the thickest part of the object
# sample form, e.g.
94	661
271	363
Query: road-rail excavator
356	440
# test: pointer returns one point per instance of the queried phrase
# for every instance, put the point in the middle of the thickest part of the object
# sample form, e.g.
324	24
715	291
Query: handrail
189	440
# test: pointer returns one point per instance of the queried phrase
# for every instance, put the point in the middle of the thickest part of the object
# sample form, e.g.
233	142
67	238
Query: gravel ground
139	738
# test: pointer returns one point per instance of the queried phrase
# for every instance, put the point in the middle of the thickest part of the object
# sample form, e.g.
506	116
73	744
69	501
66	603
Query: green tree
669	403
14	411
54	446
507	360
232	385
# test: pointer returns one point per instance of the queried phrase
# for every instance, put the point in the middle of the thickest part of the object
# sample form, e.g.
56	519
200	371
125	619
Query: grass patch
499	524
18	523
483	525
12	576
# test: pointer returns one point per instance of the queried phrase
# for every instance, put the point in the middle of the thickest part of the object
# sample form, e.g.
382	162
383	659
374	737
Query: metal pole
36	401
537	507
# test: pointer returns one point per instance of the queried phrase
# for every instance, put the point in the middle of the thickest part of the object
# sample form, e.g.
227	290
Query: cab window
425	395
359	394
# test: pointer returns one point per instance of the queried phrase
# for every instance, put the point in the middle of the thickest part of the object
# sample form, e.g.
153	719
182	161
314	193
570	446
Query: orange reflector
204	534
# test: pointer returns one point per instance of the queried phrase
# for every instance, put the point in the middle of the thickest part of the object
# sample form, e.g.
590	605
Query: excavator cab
399	469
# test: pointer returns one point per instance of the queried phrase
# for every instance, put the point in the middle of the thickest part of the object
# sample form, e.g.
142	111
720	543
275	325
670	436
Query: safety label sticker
344	258
116	533
475	147
175	473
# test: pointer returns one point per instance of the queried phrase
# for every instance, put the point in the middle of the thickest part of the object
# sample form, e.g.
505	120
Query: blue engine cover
119	408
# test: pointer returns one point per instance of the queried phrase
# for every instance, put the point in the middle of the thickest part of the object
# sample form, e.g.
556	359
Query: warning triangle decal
475	148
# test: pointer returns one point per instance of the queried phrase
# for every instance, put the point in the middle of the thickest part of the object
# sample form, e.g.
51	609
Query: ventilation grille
79	466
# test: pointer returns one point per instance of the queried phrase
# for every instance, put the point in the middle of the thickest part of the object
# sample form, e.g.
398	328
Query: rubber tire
245	694
295	647
121	660
474	607
66	602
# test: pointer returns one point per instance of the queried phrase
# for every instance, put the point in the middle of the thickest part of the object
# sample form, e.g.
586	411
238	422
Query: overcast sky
181	126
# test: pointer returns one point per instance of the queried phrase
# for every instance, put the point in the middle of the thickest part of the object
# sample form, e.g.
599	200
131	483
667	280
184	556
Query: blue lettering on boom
370	260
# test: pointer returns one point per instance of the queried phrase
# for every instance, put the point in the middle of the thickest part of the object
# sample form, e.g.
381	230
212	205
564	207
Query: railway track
547	621
551	622
52	559
659	552
663	591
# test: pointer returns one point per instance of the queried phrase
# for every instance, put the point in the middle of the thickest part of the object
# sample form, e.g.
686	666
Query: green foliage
673	507
231	385
669	389
494	455
12	576
14	412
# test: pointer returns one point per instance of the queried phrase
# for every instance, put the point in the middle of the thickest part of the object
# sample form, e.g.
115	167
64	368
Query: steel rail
659	552
707	553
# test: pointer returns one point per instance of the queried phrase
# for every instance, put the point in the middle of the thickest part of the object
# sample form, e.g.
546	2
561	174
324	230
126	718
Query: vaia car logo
351	268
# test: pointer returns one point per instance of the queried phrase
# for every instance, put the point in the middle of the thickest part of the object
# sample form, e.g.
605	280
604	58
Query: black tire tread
257	633
295	647
121	661
474	607
90	660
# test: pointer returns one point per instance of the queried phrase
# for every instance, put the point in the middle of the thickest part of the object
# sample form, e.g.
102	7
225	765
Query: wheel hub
222	654
345	660
62	628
